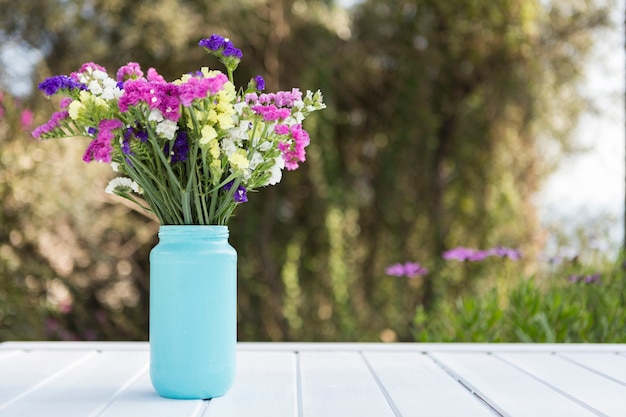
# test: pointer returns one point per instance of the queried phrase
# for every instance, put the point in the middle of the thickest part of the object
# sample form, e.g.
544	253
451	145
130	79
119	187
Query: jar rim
193	229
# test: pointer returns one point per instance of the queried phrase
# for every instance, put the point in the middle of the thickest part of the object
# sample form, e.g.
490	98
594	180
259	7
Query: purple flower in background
408	269
460	254
593	279
506	253
240	195
587	279
463	254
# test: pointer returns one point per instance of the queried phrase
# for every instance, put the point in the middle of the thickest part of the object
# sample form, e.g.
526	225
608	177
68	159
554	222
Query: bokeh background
445	119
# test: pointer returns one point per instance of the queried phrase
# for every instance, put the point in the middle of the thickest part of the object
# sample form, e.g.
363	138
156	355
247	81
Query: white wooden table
324	380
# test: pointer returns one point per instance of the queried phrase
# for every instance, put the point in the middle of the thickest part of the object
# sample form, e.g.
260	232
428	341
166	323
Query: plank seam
52	377
299	405
552	387
471	388
381	386
119	391
595	371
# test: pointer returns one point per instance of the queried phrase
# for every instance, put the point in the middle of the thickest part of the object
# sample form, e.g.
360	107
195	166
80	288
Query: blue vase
193	312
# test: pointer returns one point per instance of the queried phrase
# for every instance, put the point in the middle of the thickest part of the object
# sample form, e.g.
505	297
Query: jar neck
212	232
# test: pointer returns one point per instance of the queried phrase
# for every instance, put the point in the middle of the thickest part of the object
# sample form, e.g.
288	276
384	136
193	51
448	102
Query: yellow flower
74	108
239	160
214	148
208	134
225	121
216	170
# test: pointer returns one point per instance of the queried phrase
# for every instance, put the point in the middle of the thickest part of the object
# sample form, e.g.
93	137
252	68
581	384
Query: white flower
167	129
111	90
155	116
95	88
276	171
123	185
229	146
255	160
115	166
241	131
98	74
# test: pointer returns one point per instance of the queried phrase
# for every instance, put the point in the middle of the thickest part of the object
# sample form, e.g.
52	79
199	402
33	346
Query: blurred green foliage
439	118
568	305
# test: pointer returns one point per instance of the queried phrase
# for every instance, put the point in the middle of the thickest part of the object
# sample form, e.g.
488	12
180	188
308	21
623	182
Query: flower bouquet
192	148
188	151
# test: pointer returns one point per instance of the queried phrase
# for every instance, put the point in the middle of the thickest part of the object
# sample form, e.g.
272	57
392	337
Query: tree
438	116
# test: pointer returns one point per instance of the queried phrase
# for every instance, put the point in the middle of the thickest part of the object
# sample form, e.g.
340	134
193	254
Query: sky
588	189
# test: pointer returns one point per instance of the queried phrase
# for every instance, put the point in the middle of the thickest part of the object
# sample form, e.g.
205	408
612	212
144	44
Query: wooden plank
339	384
139	399
81	390
433	347
608	364
419	387
507	389
99	346
20	374
265	386
598	392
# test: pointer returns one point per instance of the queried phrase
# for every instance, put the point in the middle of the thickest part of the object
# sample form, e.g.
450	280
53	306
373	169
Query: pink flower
26	119
293	148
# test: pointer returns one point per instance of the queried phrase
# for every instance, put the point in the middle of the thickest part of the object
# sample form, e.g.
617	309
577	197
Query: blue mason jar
193	312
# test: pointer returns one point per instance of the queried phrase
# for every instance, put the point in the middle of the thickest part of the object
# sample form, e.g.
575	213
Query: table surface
90	379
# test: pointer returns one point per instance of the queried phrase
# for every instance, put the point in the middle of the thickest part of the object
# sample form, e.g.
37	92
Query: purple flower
213	43
52	85
240	195
230	50
180	149
408	269
218	44
260	83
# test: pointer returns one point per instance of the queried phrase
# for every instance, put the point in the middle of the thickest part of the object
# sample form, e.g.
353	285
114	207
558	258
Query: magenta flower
51	124
130	71
100	149
407	269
